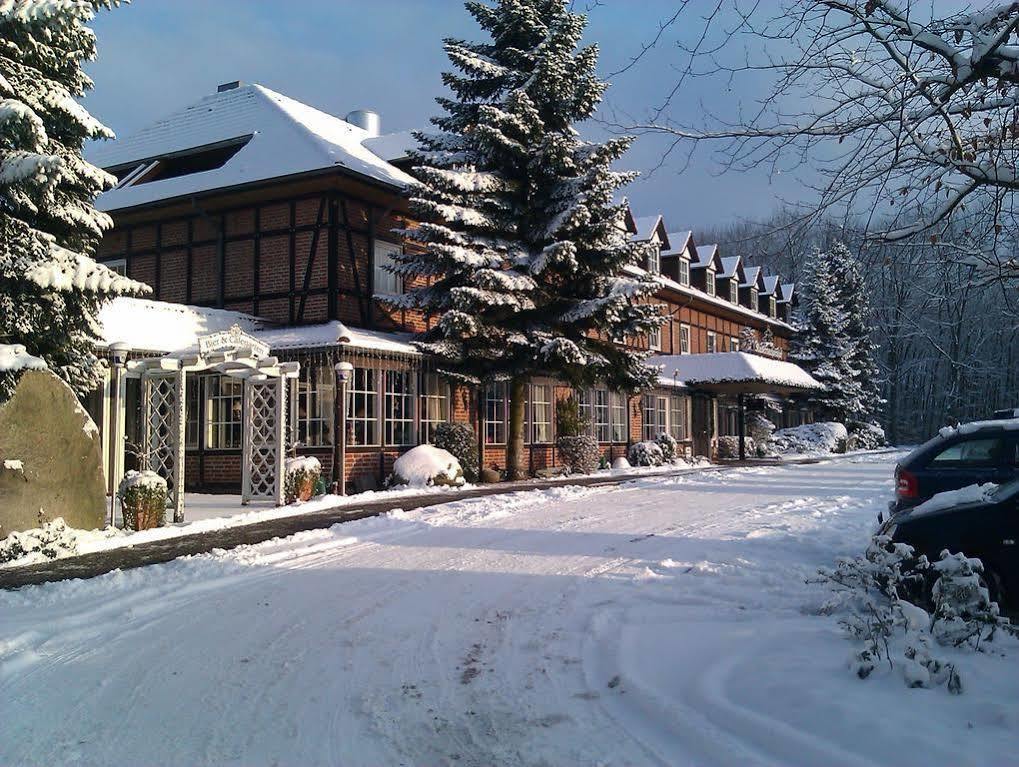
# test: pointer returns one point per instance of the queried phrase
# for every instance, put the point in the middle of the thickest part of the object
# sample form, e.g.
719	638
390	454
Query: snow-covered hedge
579	454
825	437
728	447
301	475
669	446
425	466
646	453
54	539
459	440
143	500
866	436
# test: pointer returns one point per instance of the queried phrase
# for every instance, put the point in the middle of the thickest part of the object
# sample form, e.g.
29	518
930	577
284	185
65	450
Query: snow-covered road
662	622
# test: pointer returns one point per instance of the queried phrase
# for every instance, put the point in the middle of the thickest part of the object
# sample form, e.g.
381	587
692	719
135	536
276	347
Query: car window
974	452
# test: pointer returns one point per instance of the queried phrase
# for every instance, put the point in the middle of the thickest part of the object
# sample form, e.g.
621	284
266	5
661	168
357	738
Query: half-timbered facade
253	209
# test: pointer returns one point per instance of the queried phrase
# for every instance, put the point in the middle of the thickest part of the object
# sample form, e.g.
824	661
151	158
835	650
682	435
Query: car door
968	460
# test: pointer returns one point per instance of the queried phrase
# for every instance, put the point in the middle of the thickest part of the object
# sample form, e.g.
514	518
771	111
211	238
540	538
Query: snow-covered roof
788	288
730	264
335	333
731	368
392	147
646	227
770	284
678	242
287	138
753	277
158	326
704	255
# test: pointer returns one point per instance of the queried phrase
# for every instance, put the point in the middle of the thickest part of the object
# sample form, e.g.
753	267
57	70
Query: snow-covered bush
427	466
669	446
824	437
728	447
963	611
52	540
761	429
459	440
579	453
143	500
620	463
301	476
646	453
866	436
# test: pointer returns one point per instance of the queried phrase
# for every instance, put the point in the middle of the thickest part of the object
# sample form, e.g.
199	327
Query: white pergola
232	353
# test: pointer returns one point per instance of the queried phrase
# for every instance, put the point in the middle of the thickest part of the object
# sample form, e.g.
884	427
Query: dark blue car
974	453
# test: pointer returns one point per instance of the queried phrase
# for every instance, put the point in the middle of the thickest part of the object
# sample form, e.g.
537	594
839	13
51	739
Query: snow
146	480
731	367
646	227
730	264
969	494
392	147
705	255
305	463
753	277
14	357
662	622
620	462
287	138
422	465
678	243
13	464
163	327
821	438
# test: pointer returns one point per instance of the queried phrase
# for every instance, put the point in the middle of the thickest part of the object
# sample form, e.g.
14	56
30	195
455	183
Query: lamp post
118	353
344	373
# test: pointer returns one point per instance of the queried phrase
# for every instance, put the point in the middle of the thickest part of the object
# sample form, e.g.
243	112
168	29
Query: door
702	425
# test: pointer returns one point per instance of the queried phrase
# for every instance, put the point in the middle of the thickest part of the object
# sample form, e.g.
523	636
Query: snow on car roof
286	138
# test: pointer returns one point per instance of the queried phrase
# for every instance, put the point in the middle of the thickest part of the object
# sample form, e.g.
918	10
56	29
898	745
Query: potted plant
302	475
143	500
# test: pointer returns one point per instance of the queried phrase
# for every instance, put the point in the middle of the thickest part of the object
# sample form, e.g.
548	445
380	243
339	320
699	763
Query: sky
156	56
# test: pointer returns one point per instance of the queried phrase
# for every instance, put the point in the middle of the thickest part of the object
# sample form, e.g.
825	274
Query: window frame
711	342
710	286
684	271
213	426
733	344
385	282
546	406
403	402
654	339
359	390
493	406
734	290
754	300
654	259
427	396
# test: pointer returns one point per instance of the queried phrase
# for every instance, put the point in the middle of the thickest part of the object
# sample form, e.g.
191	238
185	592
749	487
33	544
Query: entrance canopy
734	373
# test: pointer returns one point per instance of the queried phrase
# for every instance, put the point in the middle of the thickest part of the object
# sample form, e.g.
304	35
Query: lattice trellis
163	434
264	439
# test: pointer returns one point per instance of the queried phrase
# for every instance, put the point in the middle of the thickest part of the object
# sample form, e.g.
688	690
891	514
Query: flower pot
306	486
144	515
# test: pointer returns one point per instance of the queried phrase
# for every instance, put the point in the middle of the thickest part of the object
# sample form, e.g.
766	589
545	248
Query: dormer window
654	260
734	290
709	281
772	307
753	299
684	271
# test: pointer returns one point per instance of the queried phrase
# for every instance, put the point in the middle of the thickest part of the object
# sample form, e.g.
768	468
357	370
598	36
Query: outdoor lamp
344	373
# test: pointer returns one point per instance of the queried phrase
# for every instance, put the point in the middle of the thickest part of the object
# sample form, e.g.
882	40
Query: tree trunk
515	438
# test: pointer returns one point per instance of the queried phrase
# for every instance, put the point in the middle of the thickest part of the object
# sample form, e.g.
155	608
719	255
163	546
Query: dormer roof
646	227
754	278
679	242
707	255
787	289
732	266
770	285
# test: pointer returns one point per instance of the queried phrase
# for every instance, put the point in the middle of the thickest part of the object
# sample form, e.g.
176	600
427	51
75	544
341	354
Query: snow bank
950	498
427	465
14	357
826	437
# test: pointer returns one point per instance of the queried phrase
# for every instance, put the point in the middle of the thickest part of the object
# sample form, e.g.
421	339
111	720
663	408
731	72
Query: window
224	408
772	307
495	414
654	260
193	412
654	340
618	407
678	416
584	402
733	344
684	271
314	405
118	265
363	416
709	281
684	339
712	342
399	407
734	290
753	299
386	283
601	422
975	452
434	404
656	413
541	413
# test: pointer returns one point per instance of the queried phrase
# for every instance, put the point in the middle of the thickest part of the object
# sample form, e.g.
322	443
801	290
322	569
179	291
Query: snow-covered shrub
459	440
646	453
761	429
52	540
824	437
866	436
143	500
669	446
579	453
620	463
963	611
427	466
301	475
728	447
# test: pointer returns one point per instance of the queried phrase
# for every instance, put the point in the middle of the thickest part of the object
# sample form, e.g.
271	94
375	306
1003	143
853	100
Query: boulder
490	476
50	458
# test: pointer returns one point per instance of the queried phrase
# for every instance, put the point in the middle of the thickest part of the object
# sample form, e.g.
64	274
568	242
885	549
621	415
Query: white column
178	439
281	436
246	443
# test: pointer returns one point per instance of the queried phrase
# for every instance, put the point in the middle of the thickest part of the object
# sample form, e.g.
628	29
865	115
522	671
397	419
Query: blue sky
338	55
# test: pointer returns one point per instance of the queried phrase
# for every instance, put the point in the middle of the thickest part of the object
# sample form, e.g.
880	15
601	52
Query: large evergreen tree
50	288
524	245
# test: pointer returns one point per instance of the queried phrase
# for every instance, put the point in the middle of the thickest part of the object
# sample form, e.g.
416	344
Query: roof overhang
735	373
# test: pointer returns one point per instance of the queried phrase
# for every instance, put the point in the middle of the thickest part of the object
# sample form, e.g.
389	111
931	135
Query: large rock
50	458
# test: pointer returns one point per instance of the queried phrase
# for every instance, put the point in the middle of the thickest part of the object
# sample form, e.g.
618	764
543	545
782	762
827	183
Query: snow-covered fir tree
854	296
50	288
522	241
822	343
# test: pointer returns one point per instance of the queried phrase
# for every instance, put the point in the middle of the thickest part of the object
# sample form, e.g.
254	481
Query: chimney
367	120
229	86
